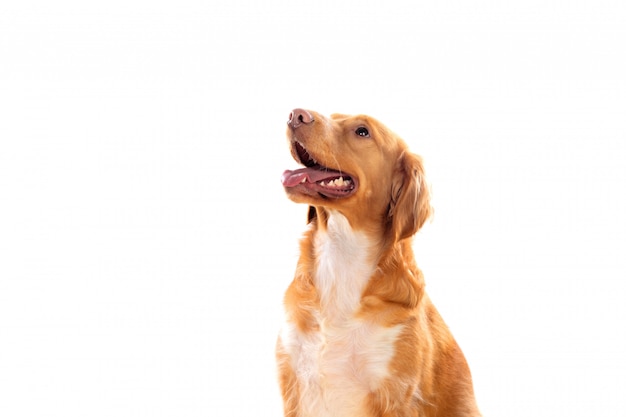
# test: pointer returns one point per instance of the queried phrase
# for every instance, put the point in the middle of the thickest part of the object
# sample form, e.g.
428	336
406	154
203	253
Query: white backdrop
145	240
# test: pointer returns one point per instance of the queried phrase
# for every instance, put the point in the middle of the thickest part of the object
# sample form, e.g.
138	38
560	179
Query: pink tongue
293	178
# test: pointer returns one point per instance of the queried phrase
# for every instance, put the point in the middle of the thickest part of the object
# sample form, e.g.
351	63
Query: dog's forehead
354	118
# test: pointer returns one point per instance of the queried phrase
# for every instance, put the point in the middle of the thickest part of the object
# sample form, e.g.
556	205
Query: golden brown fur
426	373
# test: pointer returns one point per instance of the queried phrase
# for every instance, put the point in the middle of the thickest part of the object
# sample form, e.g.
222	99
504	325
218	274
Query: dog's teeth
303	180
336	183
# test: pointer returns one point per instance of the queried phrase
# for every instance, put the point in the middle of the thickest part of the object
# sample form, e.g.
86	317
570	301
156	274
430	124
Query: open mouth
316	179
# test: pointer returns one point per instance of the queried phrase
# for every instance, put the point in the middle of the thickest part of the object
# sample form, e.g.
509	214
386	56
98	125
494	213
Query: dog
361	337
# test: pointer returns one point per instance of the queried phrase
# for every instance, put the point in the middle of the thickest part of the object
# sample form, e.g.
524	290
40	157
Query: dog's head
358	167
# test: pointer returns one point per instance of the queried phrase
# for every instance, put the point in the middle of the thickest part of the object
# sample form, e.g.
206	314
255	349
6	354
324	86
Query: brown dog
361	336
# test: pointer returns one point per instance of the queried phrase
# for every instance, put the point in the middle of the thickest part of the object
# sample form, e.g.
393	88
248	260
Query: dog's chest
338	365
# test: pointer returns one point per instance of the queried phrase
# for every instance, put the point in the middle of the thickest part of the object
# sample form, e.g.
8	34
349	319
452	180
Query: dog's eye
362	131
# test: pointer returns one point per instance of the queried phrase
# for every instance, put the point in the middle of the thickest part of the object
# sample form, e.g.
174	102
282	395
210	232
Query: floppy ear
409	206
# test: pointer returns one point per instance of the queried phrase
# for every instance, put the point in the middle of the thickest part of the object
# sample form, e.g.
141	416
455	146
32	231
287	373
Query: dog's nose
298	117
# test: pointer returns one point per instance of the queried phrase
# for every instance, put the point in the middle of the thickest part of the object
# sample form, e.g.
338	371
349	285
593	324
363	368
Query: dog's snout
298	117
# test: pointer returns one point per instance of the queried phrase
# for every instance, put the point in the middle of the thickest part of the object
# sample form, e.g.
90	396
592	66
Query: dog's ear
409	206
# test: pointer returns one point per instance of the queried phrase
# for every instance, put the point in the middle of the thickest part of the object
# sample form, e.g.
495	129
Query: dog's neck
345	260
347	263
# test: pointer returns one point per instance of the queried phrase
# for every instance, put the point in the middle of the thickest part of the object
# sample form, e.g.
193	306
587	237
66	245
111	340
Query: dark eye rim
362	131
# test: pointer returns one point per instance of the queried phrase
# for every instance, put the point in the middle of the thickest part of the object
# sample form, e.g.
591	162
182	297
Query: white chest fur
347	358
343	267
